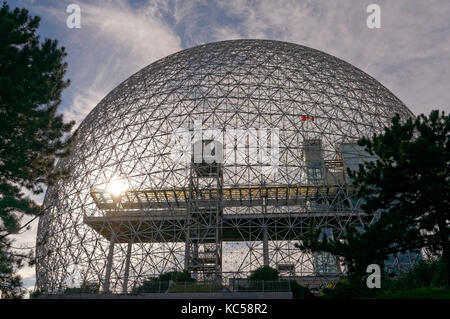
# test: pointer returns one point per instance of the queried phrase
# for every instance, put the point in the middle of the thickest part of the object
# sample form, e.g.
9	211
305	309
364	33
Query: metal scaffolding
203	252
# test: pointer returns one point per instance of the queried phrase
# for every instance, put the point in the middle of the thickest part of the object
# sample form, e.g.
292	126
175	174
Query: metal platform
157	215
271	195
164	226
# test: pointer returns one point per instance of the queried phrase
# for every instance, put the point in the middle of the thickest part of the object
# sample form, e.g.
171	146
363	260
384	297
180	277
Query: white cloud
83	102
115	41
409	54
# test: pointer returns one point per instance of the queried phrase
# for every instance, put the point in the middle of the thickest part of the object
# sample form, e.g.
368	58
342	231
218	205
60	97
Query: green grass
420	293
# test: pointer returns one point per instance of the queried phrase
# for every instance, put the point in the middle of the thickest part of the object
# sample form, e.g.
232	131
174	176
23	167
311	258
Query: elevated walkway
158	215
235	196
165	226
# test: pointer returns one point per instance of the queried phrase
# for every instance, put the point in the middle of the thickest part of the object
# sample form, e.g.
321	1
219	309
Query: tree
177	276
161	283
426	273
264	273
299	291
408	190
86	288
32	135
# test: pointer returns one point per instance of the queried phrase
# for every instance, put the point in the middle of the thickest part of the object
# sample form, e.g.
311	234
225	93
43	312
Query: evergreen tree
31	132
408	188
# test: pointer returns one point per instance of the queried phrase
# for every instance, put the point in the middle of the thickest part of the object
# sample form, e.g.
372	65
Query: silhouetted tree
264	273
161	283
31	132
407	188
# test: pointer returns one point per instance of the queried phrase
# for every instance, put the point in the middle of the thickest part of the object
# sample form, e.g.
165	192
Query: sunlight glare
116	187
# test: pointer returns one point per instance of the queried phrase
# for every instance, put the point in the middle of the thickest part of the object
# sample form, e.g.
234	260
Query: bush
264	273
152	285
263	285
420	293
349	288
420	280
161	283
300	292
36	294
423	274
177	276
87	288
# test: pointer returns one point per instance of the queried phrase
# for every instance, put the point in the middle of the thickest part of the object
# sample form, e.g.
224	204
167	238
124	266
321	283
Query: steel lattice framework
174	216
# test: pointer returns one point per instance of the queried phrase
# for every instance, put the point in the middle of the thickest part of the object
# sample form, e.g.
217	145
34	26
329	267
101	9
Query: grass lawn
421	293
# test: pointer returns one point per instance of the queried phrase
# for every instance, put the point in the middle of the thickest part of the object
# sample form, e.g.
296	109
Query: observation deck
272	195
157	215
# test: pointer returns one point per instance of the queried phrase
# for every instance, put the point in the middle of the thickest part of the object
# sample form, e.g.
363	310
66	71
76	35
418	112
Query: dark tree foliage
86	288
264	273
161	283
300	292
177	276
426	273
31	132
407	188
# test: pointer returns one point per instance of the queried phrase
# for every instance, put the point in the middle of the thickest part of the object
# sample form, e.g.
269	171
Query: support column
186	256
187	226
109	264
127	269
265	236
265	246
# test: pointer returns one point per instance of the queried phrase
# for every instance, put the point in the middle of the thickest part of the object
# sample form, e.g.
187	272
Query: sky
409	54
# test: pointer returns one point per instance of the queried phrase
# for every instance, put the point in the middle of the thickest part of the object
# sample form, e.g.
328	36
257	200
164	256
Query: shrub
349	288
420	293
86	288
161	283
423	274
264	273
300	292
177	276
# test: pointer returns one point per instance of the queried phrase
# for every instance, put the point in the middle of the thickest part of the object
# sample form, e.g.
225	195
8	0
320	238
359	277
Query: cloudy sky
409	54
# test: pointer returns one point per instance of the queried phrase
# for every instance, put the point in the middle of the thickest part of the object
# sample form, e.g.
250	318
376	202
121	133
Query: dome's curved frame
320	104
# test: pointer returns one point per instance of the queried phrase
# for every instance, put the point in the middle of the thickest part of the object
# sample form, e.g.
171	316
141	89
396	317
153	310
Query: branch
22	227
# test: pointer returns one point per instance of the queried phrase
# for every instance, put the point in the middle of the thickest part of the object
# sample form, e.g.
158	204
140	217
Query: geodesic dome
319	105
